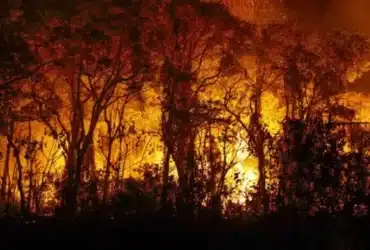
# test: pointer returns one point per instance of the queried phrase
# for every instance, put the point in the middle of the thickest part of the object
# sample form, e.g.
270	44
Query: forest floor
143	233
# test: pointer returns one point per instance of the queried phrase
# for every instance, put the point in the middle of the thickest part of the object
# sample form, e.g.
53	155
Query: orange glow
128	132
148	149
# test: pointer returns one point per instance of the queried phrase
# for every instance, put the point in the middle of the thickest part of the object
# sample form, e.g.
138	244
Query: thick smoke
348	14
351	15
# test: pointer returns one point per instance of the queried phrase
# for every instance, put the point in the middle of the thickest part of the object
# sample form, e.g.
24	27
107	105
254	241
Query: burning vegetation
134	107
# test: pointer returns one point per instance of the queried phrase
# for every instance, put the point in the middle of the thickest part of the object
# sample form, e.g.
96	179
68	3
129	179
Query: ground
272	233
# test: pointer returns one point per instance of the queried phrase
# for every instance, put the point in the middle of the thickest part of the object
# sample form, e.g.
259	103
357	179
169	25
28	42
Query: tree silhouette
98	64
91	92
186	71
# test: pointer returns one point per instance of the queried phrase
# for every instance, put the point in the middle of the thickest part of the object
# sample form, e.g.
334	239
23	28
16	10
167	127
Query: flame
144	145
249	180
246	170
150	148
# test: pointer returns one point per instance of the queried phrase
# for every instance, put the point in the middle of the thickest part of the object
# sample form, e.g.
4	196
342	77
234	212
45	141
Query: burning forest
180	108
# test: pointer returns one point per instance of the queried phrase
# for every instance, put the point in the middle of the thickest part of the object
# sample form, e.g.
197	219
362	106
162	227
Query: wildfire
249	176
118	137
144	146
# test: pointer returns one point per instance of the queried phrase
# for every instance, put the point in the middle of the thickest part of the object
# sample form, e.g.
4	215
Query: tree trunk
262	176
20	180
5	176
30	179
212	164
81	154
260	137
10	192
67	203
107	172
37	201
70	199
166	170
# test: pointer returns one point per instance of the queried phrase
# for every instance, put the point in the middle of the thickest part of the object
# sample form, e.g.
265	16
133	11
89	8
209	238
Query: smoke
260	11
307	10
350	15
347	14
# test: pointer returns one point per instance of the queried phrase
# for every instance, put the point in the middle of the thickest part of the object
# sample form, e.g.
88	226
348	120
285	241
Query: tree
96	64
17	64
257	68
192	45
315	68
314	77
114	142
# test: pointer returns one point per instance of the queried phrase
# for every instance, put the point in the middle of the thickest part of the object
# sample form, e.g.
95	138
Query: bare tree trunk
262	176
212	165
30	179
107	172
70	196
5	176
37	201
260	136
10	192
68	202
20	180
121	166
168	109
166	170
213	190
67	189
193	172
80	155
